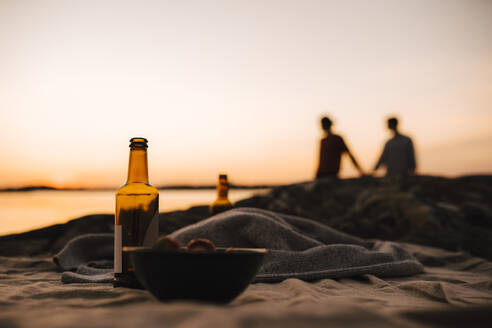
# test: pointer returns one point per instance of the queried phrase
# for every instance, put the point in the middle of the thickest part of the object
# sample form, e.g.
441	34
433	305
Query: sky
239	87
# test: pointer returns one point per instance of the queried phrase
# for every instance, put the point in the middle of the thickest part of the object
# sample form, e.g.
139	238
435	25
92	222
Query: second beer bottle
137	214
222	202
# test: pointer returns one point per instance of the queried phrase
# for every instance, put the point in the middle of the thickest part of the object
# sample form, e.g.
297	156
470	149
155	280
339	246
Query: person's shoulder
340	141
405	138
337	137
390	141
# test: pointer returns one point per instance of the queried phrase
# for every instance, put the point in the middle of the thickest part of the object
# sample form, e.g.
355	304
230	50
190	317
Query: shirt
331	150
398	156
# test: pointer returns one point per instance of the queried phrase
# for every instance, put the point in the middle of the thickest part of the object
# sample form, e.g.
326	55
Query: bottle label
117	249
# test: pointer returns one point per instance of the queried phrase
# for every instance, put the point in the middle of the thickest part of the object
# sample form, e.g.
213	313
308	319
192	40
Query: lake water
23	211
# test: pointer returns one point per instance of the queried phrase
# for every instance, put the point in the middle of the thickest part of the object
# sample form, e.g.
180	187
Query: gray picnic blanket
298	248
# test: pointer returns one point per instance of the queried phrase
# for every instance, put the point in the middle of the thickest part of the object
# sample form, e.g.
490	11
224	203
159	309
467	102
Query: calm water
23	211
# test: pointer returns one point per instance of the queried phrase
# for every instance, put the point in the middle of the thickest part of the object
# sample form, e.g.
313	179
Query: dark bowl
204	276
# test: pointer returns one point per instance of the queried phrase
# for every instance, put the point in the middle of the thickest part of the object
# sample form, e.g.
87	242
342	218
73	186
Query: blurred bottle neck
137	167
222	189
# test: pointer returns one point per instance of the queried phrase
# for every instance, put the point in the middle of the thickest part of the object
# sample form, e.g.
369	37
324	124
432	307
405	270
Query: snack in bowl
197	272
200	245
167	243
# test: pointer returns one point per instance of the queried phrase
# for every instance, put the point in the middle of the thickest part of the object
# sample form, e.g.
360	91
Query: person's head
393	123
326	124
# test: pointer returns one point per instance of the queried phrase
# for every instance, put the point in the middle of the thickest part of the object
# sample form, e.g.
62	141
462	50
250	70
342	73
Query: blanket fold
298	248
90	256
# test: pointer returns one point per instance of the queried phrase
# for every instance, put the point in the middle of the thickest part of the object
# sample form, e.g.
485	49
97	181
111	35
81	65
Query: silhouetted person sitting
331	150
398	155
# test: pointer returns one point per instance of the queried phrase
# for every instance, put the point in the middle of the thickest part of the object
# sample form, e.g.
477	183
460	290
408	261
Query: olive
201	245
166	243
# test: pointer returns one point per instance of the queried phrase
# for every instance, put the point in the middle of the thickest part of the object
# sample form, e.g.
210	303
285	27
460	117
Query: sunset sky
238	87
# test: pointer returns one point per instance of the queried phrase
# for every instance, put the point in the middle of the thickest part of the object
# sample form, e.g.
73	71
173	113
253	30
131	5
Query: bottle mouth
138	143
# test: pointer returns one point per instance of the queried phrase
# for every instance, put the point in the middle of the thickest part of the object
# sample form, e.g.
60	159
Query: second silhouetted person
398	155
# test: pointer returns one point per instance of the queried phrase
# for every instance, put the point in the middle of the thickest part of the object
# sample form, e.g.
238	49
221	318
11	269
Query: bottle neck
138	171
222	189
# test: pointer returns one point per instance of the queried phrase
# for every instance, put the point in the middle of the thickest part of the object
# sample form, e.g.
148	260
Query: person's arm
412	165
382	158
355	162
320	158
352	157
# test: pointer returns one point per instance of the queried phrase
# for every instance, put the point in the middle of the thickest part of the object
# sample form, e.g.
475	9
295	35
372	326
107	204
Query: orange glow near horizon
238	87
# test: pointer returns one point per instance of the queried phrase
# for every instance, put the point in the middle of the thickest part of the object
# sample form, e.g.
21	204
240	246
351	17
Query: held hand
362	173
366	174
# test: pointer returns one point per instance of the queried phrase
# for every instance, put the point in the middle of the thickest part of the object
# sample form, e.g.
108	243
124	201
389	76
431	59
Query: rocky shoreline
454	214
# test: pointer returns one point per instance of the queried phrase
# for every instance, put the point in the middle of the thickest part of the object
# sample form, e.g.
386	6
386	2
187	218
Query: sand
454	291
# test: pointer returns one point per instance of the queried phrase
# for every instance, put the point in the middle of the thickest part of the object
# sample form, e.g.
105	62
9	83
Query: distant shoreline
209	187
178	187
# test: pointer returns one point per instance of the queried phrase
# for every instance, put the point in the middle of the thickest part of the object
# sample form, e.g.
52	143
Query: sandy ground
454	291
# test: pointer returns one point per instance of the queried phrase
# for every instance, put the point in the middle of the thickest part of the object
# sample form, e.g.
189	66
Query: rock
455	214
50	240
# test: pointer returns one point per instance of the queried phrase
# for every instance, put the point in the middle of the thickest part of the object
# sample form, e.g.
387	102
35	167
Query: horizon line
36	187
165	187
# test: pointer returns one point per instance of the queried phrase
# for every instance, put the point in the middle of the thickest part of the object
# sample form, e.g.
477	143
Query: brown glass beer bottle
136	215
222	202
